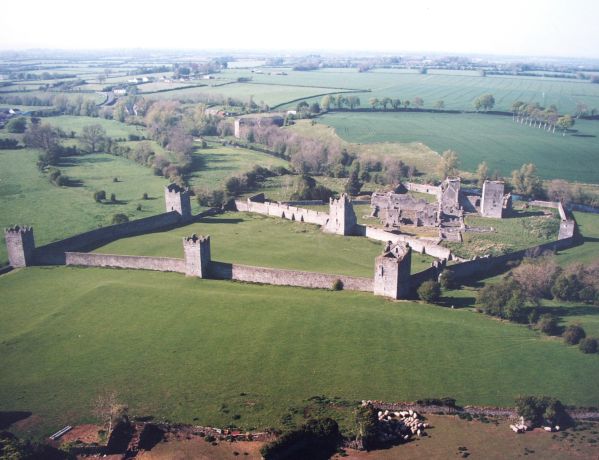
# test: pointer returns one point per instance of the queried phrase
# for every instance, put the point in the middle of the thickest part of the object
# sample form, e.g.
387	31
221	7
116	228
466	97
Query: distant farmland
503	144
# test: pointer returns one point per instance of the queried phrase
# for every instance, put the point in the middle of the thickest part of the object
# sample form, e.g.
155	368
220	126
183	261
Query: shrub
337	285
113	197
588	345
447	280
8	143
548	324
567	286
539	409
145	196
573	334
115	179
138	207
16	125
120	218
99	196
429	291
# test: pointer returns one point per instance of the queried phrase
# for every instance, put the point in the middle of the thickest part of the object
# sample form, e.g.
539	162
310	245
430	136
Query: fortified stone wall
53	253
423	188
417	244
88	259
276	276
270	208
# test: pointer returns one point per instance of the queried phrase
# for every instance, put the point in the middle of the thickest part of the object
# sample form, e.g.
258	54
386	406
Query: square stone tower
449	202
342	218
197	255
492	199
392	271
177	199
20	245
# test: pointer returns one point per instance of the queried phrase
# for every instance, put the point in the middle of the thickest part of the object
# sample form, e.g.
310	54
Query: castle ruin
494	200
197	255
342	218
177	199
20	245
392	271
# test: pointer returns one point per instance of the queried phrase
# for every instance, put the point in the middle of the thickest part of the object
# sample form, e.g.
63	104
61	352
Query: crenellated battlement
20	245
178	199
342	218
197	255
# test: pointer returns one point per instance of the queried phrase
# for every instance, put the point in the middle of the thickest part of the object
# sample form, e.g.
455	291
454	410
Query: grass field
113	128
268	242
179	348
503	144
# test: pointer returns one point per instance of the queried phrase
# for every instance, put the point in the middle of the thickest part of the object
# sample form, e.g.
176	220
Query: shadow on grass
116	202
7	418
578	310
457	302
74	183
219	221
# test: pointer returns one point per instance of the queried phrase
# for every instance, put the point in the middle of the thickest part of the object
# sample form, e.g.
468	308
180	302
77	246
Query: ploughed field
502	143
253	239
221	352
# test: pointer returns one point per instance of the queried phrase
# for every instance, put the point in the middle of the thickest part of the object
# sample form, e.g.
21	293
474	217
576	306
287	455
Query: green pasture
503	144
203	352
269	94
28	197
457	90
254	239
114	129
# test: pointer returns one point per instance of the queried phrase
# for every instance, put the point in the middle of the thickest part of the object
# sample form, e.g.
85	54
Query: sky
564	28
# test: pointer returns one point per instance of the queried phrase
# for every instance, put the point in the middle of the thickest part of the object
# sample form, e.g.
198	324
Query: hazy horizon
537	28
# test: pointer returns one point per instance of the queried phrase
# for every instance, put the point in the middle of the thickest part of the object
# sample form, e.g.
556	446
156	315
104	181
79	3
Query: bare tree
92	137
108	409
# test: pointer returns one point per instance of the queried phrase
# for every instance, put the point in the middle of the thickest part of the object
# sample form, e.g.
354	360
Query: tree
108	409
440	104
429	291
565	123
120	218
315	107
353	101
92	137
99	196
482	173
41	136
548	324
16	125
448	165
573	334
486	102
325	103
526	182
374	102
353	185
396	103
385	102
418	102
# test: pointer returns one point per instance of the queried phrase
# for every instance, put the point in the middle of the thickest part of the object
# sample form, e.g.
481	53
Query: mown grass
179	348
268	242
503	144
113	128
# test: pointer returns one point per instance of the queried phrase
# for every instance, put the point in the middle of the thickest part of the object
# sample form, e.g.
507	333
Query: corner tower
491	204
342	218
19	245
177	199
392	271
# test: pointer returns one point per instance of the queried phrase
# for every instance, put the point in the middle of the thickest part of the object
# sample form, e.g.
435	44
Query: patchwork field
503	144
187	349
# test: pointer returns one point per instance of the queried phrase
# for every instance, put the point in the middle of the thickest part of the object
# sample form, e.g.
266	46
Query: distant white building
120	92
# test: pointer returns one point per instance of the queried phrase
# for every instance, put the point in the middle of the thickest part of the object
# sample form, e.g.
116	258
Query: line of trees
536	116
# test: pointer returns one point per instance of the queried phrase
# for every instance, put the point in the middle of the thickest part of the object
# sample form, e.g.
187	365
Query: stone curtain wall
281	277
270	208
423	188
54	253
419	245
162	264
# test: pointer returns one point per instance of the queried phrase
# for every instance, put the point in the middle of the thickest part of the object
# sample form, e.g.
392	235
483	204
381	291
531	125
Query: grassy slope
178	347
503	144
269	242
113	128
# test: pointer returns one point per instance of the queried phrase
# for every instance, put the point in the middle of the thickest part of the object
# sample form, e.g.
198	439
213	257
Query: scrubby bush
99	196
113	197
429	291
547	324
542	409
337	285
16	125
573	334
588	345
447	280
120	218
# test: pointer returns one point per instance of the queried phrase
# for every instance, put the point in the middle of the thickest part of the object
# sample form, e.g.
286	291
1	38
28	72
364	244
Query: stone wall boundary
283	277
90	259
